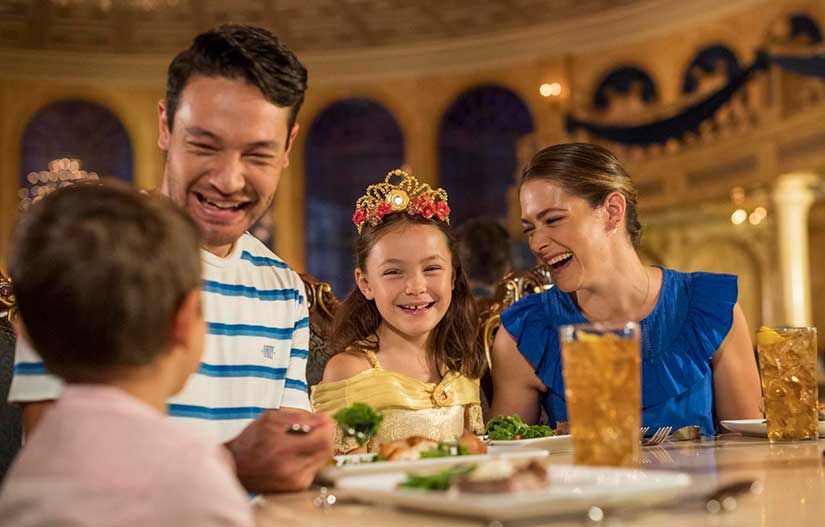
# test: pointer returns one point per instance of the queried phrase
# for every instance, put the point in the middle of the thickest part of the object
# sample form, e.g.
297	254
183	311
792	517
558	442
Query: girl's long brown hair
452	344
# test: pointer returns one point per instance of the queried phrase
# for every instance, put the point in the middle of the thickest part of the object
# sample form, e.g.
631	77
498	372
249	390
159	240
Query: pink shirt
102	457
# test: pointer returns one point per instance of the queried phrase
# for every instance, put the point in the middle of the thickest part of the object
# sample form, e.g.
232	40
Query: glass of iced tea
601	367
787	367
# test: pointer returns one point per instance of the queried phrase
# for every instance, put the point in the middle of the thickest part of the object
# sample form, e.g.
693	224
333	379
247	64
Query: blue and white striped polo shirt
255	352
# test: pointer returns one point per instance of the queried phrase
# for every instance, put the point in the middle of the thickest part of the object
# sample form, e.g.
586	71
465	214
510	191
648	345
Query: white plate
554	443
758	427
350	465
572	489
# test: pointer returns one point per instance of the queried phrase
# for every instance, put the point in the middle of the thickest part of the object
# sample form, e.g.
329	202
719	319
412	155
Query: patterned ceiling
305	25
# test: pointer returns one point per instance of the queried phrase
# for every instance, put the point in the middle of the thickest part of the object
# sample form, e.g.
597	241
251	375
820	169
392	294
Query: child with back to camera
108	286
404	341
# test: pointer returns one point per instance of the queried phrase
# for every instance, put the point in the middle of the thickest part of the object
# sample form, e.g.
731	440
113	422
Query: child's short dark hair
99	273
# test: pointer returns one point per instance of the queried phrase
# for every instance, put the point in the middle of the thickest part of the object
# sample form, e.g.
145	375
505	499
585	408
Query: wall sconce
550	89
740	215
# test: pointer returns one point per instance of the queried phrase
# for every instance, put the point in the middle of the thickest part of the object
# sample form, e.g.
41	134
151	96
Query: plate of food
511	431
758	427
510	489
432	461
361	422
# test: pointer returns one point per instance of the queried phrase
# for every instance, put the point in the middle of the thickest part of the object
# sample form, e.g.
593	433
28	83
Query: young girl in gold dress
404	341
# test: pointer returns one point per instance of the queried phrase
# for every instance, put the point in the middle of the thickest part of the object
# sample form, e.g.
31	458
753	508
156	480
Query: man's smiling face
225	154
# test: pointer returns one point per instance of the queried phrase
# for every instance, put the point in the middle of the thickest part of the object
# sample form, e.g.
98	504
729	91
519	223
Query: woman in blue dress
578	210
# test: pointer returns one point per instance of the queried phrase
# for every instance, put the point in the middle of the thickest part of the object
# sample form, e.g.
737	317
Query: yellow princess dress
411	407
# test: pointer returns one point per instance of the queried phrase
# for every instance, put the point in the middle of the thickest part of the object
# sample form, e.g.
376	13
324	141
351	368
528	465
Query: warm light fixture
739	201
758	214
550	89
62	172
739	216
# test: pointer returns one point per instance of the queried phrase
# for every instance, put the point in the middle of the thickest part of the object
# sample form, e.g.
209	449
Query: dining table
734	481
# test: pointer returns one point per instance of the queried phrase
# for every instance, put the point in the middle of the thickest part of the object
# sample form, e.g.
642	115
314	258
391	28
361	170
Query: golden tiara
418	199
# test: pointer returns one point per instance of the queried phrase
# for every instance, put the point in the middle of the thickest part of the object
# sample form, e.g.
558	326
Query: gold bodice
410	407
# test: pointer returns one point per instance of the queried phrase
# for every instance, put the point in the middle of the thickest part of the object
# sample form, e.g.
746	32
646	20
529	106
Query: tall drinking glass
602	384
787	367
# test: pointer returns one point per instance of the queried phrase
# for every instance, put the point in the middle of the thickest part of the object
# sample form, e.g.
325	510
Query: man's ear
164	134
188	318
363	284
292	135
615	205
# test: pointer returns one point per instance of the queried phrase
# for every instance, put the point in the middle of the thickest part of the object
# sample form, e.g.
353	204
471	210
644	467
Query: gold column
793	196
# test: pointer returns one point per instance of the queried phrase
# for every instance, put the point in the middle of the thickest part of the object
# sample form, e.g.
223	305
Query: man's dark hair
240	52
99	274
484	246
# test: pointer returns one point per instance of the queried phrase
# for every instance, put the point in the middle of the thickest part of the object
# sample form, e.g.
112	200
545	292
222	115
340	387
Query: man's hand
271	459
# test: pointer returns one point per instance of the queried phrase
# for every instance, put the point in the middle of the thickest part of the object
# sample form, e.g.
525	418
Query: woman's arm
516	388
737	391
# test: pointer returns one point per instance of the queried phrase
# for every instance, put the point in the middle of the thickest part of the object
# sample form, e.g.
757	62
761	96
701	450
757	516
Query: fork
642	433
349	432
658	437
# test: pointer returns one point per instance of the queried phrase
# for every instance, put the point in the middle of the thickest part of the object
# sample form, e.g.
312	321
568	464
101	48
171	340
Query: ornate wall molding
605	30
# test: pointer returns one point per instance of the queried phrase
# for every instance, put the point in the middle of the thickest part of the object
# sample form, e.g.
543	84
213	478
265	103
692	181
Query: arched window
804	28
352	144
80	130
624	81
707	62
477	150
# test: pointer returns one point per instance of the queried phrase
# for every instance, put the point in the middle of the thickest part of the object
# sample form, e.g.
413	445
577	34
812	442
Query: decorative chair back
321	304
10	414
8	304
511	288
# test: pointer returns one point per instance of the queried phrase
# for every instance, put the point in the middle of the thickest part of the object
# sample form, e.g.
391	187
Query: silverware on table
658	437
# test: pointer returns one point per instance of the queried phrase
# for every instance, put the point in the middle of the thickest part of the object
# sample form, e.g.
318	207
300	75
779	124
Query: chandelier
107	5
61	173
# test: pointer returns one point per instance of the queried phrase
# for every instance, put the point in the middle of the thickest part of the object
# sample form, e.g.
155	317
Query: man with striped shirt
227	125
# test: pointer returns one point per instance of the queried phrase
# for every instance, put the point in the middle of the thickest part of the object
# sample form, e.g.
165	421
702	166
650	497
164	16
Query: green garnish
438	481
360	421
446	449
505	428
535	431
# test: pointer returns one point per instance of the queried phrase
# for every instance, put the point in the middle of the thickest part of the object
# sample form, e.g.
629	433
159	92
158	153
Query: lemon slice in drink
584	336
767	337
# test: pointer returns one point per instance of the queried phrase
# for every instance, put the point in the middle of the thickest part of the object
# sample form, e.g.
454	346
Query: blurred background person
484	248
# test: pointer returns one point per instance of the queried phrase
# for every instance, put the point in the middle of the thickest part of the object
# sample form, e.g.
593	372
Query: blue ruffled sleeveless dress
692	317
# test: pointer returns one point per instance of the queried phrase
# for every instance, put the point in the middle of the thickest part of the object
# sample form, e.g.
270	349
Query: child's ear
363	284
188	320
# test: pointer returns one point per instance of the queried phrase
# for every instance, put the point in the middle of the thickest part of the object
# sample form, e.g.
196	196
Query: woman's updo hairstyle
590	172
